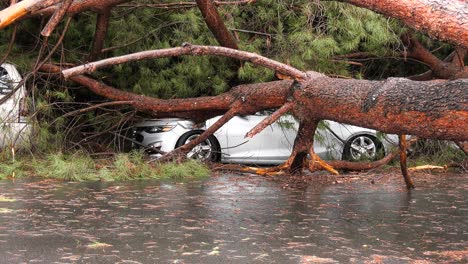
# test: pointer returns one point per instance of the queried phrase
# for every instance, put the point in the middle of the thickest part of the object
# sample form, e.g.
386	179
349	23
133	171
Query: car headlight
159	129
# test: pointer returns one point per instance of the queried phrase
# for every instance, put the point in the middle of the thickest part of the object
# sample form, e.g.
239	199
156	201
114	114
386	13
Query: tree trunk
436	110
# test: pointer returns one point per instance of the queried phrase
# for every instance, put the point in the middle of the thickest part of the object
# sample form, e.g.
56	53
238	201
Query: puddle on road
234	219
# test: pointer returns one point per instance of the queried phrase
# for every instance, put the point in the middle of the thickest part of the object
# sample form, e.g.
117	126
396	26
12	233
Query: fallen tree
433	109
436	109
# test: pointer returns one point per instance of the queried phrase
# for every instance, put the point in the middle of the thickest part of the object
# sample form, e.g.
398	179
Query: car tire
363	148
209	150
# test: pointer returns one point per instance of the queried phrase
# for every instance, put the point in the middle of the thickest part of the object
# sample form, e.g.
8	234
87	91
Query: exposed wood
427	167
49	7
10	14
316	161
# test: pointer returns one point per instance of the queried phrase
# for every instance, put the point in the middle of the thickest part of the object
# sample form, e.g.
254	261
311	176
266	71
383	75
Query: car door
10	109
13	127
273	145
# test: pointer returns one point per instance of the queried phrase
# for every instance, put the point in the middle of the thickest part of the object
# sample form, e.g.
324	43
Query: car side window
5	82
265	112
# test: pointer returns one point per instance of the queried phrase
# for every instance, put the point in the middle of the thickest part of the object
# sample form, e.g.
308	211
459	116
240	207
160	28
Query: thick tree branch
272	95
56	18
443	69
234	109
216	24
17	11
270	119
102	24
450	68
442	19
397	106
97	6
417	51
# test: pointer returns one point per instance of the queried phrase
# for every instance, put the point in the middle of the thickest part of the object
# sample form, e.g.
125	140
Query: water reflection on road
234	219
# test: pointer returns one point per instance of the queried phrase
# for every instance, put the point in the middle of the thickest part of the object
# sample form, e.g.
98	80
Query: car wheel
208	150
362	148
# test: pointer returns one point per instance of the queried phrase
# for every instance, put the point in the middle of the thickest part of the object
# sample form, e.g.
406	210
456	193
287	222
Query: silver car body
14	130
271	146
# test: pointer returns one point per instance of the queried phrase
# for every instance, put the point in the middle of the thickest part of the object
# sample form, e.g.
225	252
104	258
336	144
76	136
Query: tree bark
403	163
440	69
441	19
102	23
216	24
56	18
436	110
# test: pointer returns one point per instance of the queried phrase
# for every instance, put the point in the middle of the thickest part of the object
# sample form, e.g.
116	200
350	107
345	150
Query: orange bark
443	19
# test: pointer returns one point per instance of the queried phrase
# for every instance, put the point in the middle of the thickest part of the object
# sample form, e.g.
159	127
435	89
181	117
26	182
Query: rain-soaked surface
235	219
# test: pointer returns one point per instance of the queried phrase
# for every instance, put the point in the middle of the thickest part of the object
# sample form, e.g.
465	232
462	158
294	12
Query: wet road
235	219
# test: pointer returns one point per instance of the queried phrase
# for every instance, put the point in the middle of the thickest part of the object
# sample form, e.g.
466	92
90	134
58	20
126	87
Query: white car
271	146
14	130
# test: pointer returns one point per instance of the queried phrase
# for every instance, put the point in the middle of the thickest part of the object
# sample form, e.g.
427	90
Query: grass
12	169
81	167
189	170
76	167
436	152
